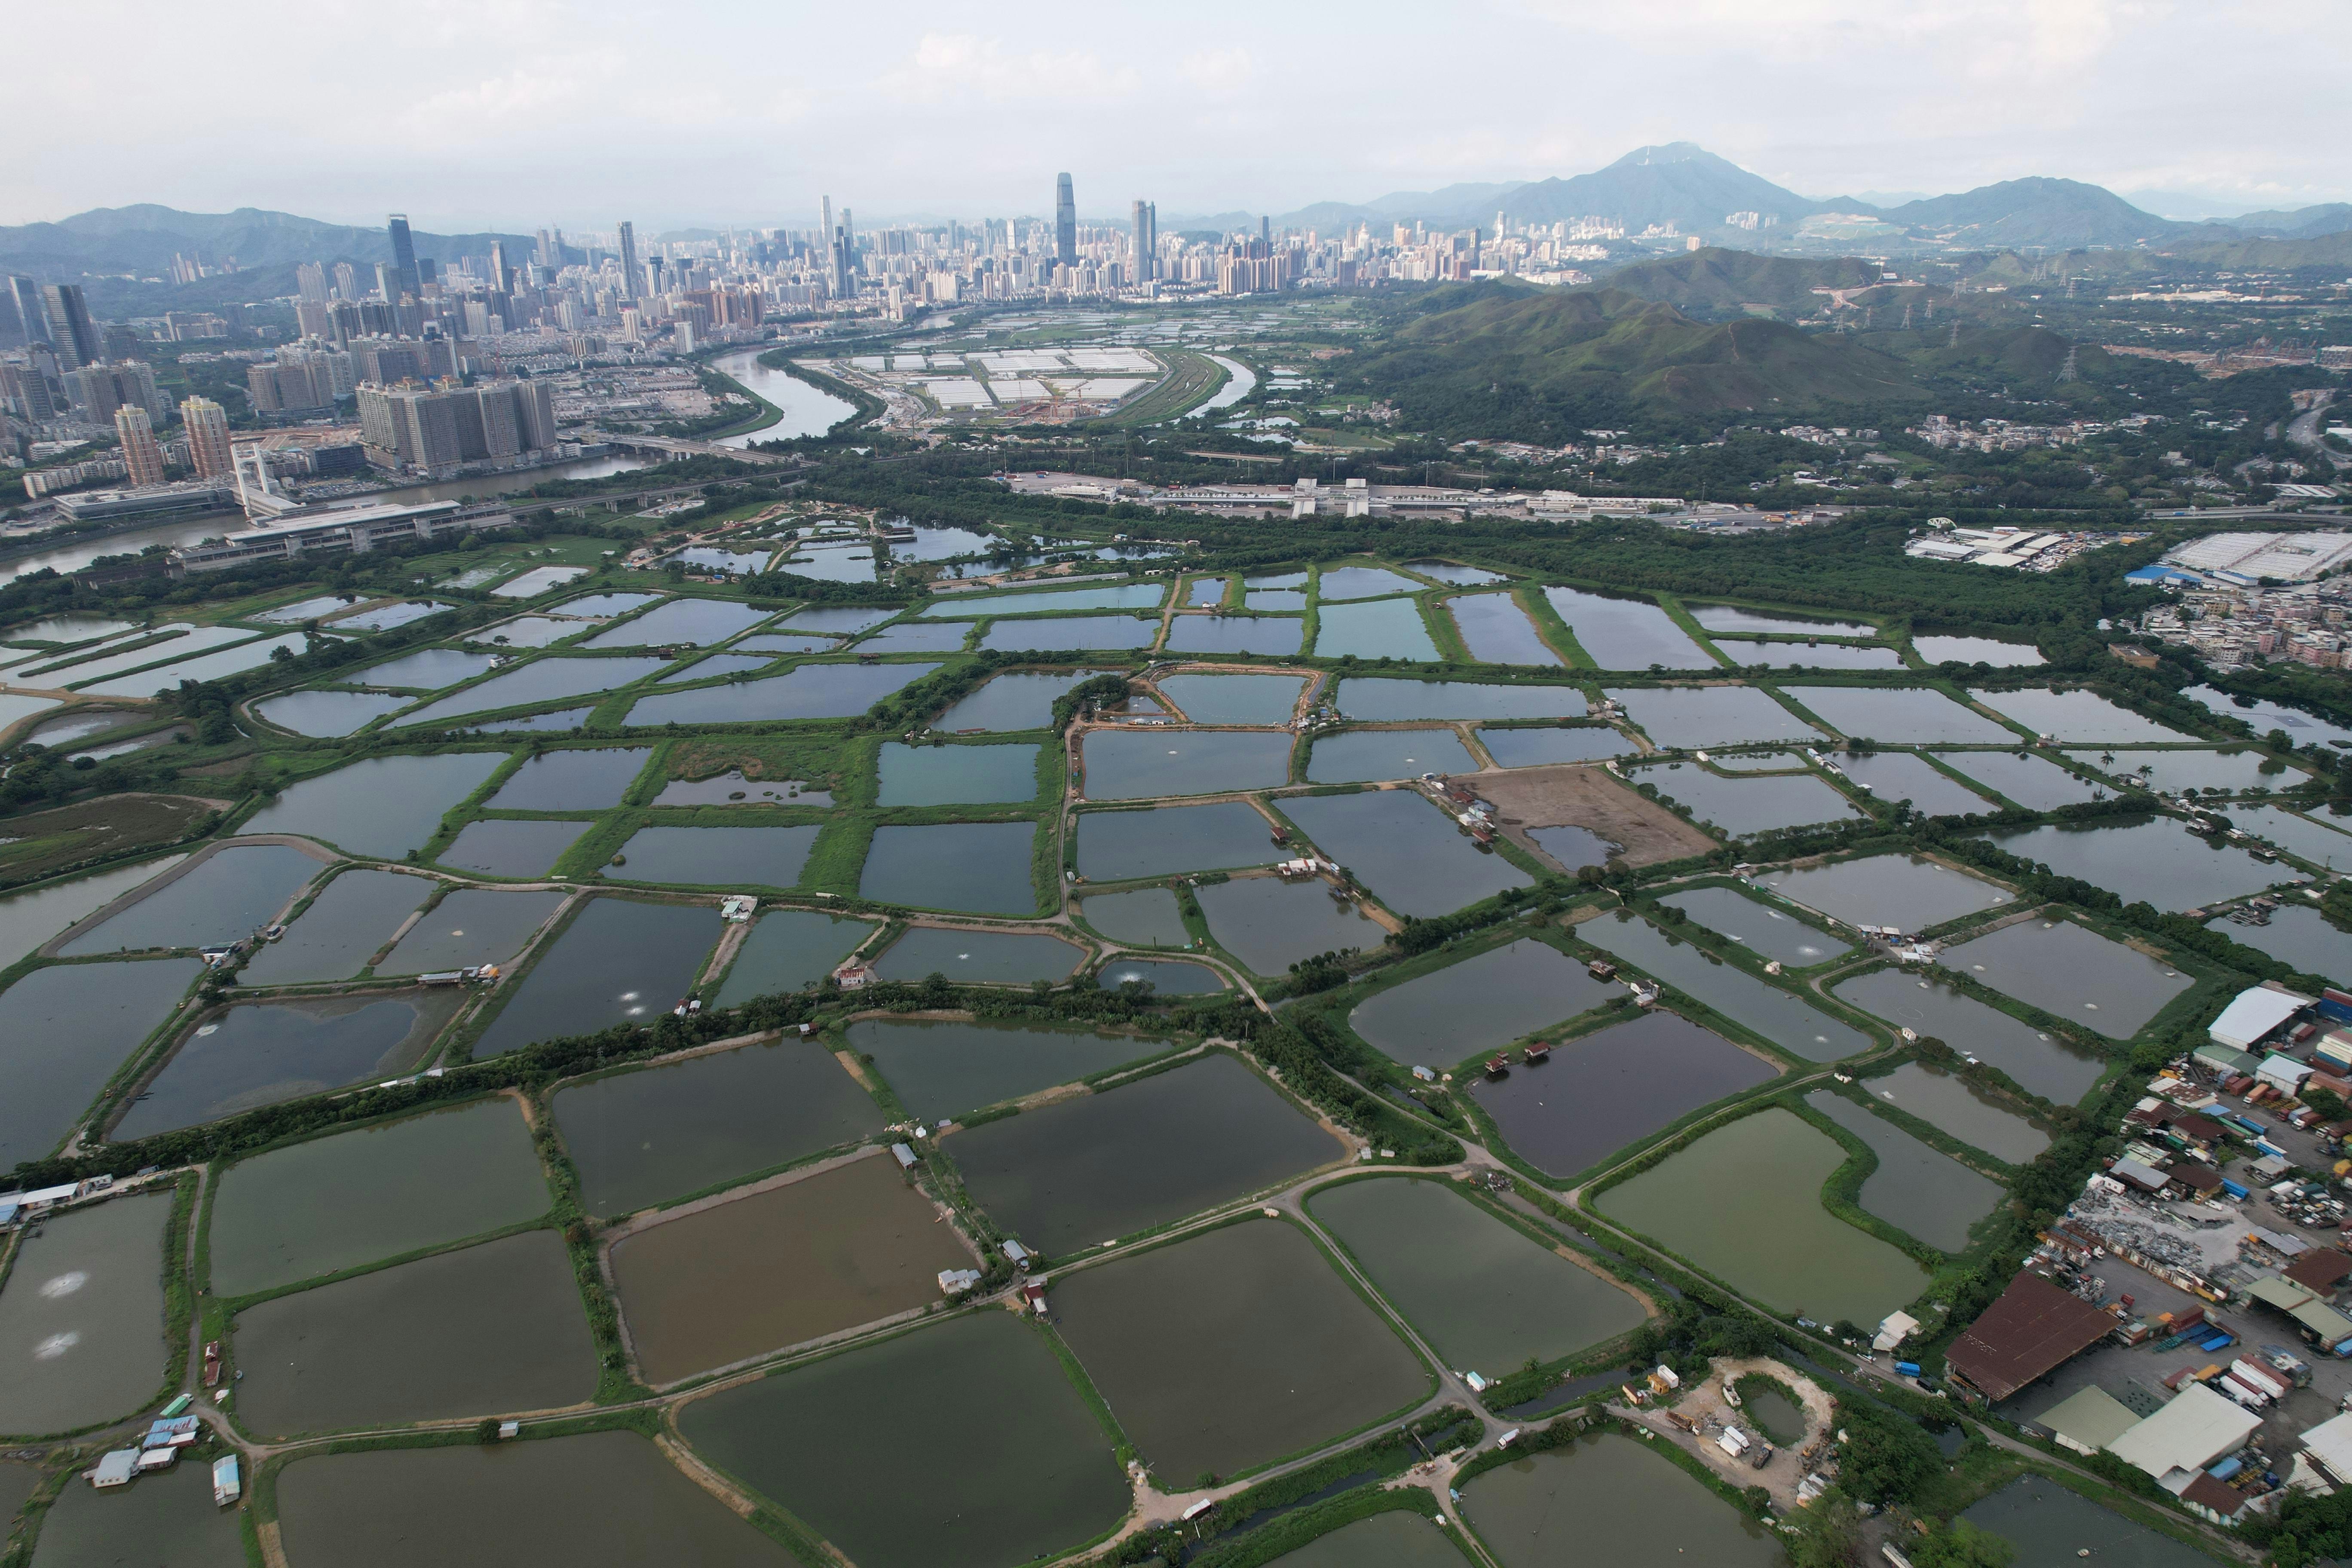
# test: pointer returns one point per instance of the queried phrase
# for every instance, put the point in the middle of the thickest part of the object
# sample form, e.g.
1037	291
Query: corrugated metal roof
2093	1418
2033	1328
2197	1428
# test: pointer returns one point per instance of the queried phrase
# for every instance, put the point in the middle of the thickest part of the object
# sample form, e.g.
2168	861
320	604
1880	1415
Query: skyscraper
1065	221
629	277
404	259
499	275
25	296
1147	240
139	452
72	331
207	428
311	279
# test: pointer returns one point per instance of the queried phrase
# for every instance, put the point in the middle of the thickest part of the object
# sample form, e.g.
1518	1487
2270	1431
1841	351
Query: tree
1829	1533
1886	1459
1959	1544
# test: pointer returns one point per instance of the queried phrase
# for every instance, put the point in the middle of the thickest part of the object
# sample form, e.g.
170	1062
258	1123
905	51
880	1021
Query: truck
2287	1364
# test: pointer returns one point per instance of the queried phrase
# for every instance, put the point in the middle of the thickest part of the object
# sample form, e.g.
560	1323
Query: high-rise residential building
347	282
1147	240
404	259
27	390
1065	221
24	296
629	277
98	390
534	416
72	331
310	278
500	276
207	427
141	454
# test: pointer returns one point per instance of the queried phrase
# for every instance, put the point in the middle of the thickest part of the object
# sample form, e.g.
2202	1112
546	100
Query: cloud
948	69
1219	71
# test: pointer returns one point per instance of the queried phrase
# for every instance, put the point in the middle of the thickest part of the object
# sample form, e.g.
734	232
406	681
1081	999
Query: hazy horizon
515	113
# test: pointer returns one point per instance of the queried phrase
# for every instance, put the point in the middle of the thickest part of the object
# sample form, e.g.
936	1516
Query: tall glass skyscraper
630	281
1065	221
404	260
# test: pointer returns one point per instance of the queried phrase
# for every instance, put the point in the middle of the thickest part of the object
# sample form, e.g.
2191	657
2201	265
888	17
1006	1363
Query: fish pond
1362	583
542	680
1743	1203
1904	775
2054	1528
1236	634
1807	655
1401	1538
715	857
335	1202
1608	1088
1046	634
1147	916
2071	973
1954	1106
471	926
1235	698
1761	929
731	789
1165	976
1119	846
1420	1239
353	915
221	898
1608	1498
620	961
1118	596
512	847
1018	701
1627	633
2304	937
1741	806
2032	781
571	779
1145	764
957	776
486	1328
789	949
82	1317
260	1052
1365	756
1410	854
659	1134
983	868
426	670
2313	840
939	1069
1011	1463
384	805
2153	859
2173	772
1270	925
1900	715
2048	1064
1689	716
1081	1171
1281	1357
694	622
1917	1188
1384	700
1977	650
988	957
1792	1025
2306	728
810	691
1384	628
1496	631
1472	1007
2079	716
64	1029
1733	620
725	1283
1909	892
1454	573
167	1517
328	714
1535	748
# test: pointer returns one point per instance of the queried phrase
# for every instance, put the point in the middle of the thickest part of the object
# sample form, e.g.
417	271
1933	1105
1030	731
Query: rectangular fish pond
1931	1006
354	915
789	949
1412	856
1146	917
2152	859
1281	1356
1270	925
1900	715
1794	1026
1613	1087
1954	1107
1235	698
1904	775
1121	846
1382	699
977	957
1917	1188
1743	1201
63	1031
1627	633
957	776
940	1068
653	1134
1496	631
1610	1499
715	857
1145	764
723	1282
619	962
2070	973
1909	892
1081	1171
223	897
1761	929
979	867
384	805
1692	716
1536	747
471	926
1365	756
1738	807
1383	628
2030	779
82	1317
1472	1007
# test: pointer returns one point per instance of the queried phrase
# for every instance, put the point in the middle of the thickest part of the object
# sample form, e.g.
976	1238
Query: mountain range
1697	191
144	239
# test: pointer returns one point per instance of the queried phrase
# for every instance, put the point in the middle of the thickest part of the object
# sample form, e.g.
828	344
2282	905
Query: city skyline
1827	96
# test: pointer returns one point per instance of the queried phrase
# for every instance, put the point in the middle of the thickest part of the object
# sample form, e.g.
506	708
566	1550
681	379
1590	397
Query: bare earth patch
1582	794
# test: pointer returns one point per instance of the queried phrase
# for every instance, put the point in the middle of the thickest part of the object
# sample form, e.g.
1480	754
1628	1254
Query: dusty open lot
1584	794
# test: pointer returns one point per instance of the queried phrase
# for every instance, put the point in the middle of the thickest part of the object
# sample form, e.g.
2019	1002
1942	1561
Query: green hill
1500	361
1722	283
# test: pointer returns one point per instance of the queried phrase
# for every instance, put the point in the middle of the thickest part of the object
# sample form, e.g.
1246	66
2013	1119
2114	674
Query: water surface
1364	756
1627	633
1165	977
1917	1188
470	926
221	900
1362	583
1470	1007
353	915
1118	596
2304	937
2078	715
788	950
426	670
716	856
957	776
2032	781
1496	631
542	680
64	1029
1903	775
1955	1107
662	1132
2154	859
1934	1008
1732	619
1413	857
983	868
1145	764
1012	1463
1614	1087
1270	925
2173	772
1976	651
1609	1500
260	1052
723	1284
998	957
1688	716
1386	699
479	1331
335	1202
1148	917
1900	715
1762	930
1235	698
507	847
1534	748
694	622
2070	973
1779	1017
940	1068
572	779
1741	806
1080	1172
1044	632
620	961
1743	1203
1909	892
329	714
810	691
165	1517
1017	701
1118	845
1420	1239
1807	655
2051	1527
384	805
82	1317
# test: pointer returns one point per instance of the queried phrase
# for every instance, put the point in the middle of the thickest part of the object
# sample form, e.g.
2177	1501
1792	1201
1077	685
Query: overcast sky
475	114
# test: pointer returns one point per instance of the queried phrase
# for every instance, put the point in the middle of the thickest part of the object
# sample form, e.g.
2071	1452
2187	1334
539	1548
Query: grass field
38	843
1192	378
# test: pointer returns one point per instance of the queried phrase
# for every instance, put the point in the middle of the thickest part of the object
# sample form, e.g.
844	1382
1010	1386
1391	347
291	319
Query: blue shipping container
2218	1341
1907	1368
2233	1188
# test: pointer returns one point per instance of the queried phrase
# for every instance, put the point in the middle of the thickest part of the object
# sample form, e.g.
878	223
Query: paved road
2303	431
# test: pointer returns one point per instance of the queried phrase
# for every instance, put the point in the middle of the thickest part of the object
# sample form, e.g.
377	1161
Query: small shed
115	1469
2088	1420
904	1154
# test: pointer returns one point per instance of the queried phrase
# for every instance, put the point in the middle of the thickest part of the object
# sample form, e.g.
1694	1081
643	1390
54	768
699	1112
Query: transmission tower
1906	315
2067	371
1955	342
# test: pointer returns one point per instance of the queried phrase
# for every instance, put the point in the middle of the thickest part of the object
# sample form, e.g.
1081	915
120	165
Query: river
806	410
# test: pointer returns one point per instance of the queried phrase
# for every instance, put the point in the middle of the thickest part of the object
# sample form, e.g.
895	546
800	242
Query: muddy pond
940	1068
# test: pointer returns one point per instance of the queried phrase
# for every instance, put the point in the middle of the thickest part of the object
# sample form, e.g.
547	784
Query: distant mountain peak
1670	153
